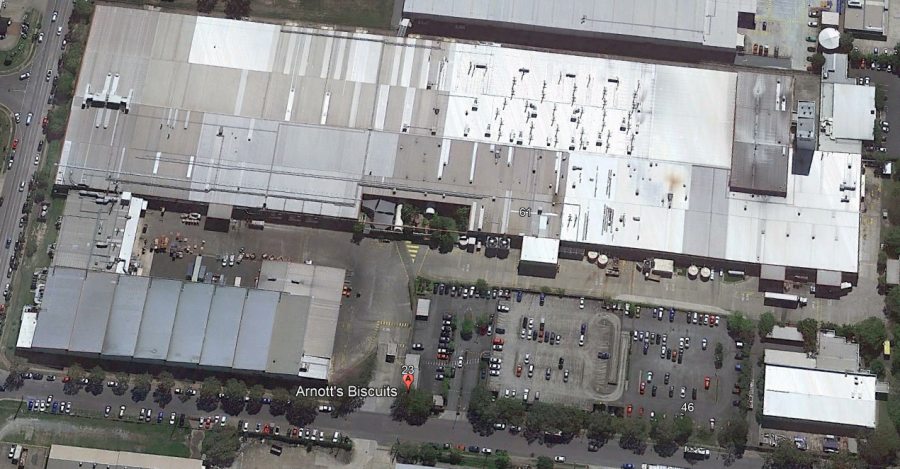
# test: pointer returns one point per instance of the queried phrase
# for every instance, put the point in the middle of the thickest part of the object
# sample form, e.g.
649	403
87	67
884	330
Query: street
379	427
24	96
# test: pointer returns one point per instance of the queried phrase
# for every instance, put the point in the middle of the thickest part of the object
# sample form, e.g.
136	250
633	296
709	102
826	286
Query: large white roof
540	250
706	22
821	396
856	116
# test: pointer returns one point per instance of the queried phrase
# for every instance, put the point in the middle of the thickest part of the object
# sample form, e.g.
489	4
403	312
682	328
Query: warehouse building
631	159
77	457
286	329
687	29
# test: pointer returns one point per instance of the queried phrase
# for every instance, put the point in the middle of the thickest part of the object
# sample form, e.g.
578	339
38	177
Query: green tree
846	42
632	434
75	374
237	9
461	216
663	434
56	127
544	462
481	285
428	454
740	327
809	329
235	391
206	6
765	325
141	387
880	446
95	381
787	456
255	394
301	412
891	238
208	395
718	355
818	60
467	329
444	233
877	368
870	333
405	452
880	97
121	384
733	434
600	426
682	428
414	407
281	399
892	303
220	445
855	56
501	461
82	11
17	368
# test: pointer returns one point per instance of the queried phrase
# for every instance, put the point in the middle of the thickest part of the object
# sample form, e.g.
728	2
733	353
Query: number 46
687	407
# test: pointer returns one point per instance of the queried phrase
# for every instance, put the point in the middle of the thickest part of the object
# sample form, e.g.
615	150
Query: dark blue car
671	314
518	296
542	298
55	407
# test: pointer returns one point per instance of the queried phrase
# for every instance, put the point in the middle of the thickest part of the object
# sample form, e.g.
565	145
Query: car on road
643	386
54	17
59	31
172	418
326	408
459	362
41	37
706	382
603	355
813	24
25	76
122	411
418	346
559	459
49	74
106	411
28	118
581	303
704	343
15	143
628	410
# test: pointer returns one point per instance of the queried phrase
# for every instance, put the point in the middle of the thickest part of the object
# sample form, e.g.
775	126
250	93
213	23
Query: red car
266	429
208	423
706	382
66	379
712	320
294	432
643	385
628	410
15	143
45	121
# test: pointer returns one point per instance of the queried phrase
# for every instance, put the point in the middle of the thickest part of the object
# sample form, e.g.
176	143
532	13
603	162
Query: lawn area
111	434
6	128
375	14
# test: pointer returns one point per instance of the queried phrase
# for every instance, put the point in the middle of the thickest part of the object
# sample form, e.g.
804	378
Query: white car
459	362
54	17
172	419
581	303
59	31
813	24
41	37
487	450
559	459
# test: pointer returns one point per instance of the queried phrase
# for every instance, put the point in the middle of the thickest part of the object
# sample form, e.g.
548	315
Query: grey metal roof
94	307
63	290
772	272
291	319
828	277
707	22
158	319
188	333
255	336
125	318
223	326
892	275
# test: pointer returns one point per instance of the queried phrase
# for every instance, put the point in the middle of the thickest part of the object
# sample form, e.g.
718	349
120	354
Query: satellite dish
829	38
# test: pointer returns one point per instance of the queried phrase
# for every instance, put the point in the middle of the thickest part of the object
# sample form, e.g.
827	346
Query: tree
855	57
281	399
632	434
544	462
208	395
428	454
414	407
809	329
846	42
95	381
892	303
818	60
75	374
877	368
359	377
733	434
481	285
765	325
235	391
891	238
600	426
255	393
206	6
740	327
220	445
164	384
718	355
467	329
786	455
121	384
17	368
870	333
880	446
237	9
301	412
141	387
444	233
663	434
682	428
880	97
405	452
56	128
82	11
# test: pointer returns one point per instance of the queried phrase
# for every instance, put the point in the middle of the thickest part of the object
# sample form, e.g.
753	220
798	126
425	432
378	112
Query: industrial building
76	457
844	131
280	331
866	18
688	28
632	159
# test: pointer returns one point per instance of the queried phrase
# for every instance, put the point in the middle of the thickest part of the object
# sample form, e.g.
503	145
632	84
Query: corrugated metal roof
63	290
772	272
125	318
223	326
158	319
291	320
189	330
707	22
94	308
821	396
255	336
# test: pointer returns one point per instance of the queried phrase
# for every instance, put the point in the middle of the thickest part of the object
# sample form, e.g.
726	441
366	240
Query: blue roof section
223	326
57	317
255	336
190	323
158	320
125	318
96	301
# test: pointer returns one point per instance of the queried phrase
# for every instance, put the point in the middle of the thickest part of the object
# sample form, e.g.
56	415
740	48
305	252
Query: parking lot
563	368
783	25
651	366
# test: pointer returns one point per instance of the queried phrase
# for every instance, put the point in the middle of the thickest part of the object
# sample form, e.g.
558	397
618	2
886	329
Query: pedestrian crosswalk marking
392	324
412	249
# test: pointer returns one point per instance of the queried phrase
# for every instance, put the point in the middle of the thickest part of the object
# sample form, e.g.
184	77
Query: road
381	428
24	96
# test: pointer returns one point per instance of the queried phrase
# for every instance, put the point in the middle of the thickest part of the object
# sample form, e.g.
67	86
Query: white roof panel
856	118
822	396
541	250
